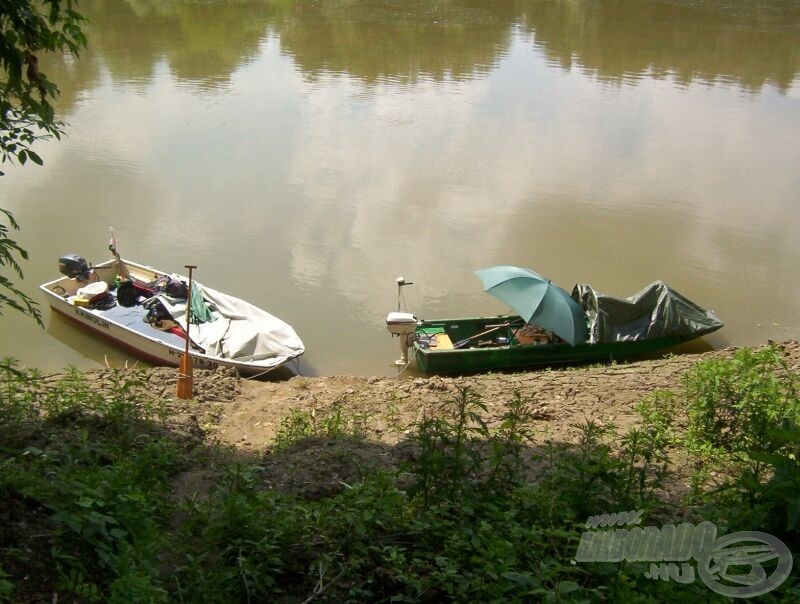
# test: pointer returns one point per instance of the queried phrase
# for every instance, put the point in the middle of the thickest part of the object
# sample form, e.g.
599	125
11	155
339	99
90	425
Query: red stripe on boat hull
132	349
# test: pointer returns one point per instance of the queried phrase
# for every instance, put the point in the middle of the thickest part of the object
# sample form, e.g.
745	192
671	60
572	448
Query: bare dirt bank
247	413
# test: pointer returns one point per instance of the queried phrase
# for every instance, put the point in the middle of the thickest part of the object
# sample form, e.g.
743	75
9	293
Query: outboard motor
74	267
402	324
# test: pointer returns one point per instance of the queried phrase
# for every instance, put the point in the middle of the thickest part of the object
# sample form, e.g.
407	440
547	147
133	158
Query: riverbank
246	413
249	415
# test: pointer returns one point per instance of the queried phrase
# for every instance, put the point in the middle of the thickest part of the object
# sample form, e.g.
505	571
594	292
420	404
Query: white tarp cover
241	332
655	312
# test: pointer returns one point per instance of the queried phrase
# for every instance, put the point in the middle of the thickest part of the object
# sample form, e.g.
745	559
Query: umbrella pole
185	382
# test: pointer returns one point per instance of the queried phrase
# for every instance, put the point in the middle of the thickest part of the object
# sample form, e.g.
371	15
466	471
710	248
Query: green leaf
566	587
520	579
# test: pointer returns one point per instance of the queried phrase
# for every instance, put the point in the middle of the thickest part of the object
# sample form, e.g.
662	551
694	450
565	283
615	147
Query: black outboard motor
74	266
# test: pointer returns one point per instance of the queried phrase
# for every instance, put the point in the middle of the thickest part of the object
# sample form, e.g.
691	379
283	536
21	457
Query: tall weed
645	452
450	457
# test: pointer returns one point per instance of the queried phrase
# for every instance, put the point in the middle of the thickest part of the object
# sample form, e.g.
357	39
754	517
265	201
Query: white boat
230	332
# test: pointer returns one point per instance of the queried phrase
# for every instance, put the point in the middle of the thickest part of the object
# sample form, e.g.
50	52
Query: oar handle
466	341
191	267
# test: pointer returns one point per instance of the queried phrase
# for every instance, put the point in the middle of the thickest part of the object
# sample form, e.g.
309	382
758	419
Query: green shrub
100	475
744	415
740	405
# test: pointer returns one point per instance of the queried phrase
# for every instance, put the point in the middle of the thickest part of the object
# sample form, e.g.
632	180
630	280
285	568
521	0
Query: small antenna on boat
112	243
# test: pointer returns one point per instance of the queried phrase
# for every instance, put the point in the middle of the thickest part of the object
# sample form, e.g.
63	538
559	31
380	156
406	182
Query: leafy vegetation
28	29
92	512
10	251
744	436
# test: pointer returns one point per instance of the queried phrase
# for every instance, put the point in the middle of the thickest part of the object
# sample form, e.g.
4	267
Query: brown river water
305	154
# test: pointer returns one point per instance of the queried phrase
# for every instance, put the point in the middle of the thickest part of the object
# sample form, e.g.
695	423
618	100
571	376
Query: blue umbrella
537	301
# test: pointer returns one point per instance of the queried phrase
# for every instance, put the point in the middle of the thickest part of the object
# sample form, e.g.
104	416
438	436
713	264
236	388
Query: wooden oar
465	341
185	384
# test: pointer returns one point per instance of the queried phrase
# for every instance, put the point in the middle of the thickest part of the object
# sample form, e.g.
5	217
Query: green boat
562	329
434	347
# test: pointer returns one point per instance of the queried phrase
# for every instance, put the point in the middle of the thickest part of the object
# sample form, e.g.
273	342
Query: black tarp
654	312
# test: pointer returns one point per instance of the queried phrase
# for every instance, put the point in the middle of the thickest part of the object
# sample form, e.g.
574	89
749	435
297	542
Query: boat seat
443	342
